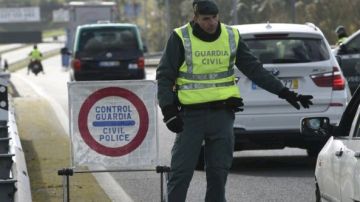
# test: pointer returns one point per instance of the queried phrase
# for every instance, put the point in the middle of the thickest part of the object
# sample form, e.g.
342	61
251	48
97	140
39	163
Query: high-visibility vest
207	73
35	54
341	40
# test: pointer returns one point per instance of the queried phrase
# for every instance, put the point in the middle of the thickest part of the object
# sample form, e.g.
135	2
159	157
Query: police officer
341	34
198	97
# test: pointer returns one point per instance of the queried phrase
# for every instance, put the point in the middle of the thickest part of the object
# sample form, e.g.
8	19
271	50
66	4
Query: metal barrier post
66	172
162	170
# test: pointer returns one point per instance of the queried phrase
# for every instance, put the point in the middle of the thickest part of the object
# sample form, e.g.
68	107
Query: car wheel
317	193
313	151
201	161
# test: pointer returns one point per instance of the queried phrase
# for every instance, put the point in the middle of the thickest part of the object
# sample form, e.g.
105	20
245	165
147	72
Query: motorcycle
35	67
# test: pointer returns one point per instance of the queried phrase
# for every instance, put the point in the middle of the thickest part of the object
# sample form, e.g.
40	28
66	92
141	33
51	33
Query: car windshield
97	41
288	50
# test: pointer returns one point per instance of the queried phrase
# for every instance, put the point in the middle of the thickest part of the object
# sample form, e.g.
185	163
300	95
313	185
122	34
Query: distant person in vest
341	34
198	97
35	57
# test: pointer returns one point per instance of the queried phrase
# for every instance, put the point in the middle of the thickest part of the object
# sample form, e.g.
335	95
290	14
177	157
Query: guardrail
14	180
8	48
153	54
152	62
152	59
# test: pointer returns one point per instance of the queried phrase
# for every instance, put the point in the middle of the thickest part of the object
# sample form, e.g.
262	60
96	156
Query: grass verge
47	149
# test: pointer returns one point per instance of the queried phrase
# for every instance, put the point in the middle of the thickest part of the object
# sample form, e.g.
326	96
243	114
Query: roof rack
268	25
312	25
103	22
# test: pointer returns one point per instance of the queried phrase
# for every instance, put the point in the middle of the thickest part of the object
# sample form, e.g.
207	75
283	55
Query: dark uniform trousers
215	127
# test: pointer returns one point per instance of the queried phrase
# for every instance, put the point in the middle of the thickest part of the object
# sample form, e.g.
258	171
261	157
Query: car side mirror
319	126
145	48
343	49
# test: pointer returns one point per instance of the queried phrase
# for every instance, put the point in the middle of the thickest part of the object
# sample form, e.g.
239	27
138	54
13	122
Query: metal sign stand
66	172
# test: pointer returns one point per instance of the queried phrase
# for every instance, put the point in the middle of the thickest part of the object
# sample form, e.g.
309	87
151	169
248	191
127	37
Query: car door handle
357	154
339	153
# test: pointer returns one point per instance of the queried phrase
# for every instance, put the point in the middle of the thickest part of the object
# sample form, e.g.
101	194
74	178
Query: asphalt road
274	175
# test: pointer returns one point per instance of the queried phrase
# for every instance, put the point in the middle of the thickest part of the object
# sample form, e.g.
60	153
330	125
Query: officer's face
208	23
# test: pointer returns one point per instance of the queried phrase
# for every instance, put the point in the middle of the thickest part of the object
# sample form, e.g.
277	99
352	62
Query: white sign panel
24	14
114	123
61	15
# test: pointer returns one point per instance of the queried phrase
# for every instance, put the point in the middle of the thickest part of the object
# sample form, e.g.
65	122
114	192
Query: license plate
289	83
109	63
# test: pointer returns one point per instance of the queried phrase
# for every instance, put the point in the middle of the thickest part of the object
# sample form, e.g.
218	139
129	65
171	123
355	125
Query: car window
288	50
108	39
354	45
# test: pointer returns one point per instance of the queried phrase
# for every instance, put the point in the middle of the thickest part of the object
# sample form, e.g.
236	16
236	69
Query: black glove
305	100
293	98
172	119
235	103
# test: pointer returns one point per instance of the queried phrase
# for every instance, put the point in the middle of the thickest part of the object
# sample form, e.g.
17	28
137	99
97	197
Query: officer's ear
195	17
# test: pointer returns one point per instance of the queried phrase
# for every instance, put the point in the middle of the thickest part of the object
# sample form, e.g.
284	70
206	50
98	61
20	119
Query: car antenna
268	26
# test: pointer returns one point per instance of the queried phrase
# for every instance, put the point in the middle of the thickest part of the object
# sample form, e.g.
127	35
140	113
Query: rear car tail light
339	80
332	79
76	64
141	63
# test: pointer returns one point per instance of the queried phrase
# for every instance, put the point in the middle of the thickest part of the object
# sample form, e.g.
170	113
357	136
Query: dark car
349	54
108	51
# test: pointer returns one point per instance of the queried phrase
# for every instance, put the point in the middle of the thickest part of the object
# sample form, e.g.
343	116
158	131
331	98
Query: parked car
349	53
337	173
108	51
300	56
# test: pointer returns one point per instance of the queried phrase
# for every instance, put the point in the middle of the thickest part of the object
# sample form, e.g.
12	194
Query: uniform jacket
173	57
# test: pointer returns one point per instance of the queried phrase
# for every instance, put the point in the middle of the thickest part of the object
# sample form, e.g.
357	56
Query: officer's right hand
235	104
172	119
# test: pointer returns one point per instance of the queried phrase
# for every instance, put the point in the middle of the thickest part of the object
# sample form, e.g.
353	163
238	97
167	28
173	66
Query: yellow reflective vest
341	40
207	73
35	54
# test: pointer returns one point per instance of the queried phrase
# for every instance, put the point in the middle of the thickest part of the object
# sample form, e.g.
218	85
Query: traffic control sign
113	123
109	122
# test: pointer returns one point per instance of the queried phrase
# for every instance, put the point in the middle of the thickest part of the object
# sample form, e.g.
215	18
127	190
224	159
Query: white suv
301	57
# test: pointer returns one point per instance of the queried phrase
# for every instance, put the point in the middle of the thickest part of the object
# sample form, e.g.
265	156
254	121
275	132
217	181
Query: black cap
340	29
205	7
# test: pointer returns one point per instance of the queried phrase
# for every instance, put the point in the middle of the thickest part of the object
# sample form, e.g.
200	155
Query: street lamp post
168	16
293	9
234	11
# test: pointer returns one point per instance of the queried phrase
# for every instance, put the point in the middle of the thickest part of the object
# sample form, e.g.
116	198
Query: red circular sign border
106	92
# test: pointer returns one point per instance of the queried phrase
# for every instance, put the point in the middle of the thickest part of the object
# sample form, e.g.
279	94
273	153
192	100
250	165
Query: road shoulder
47	149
